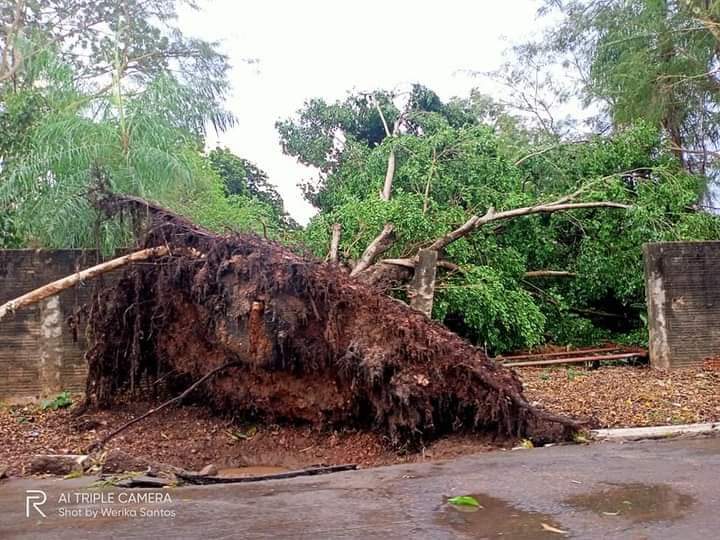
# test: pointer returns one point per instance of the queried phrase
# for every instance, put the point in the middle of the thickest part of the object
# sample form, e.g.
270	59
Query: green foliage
446	173
134	142
244	181
646	60
94	38
491	309
313	137
143	137
9	237
112	89
61	401
327	135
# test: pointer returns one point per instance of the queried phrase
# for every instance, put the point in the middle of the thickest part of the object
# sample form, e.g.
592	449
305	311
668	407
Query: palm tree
143	140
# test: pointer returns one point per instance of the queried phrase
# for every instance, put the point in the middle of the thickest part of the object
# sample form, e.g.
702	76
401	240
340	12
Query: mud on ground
191	437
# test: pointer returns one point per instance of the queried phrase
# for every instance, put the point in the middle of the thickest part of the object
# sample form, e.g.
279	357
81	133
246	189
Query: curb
655	432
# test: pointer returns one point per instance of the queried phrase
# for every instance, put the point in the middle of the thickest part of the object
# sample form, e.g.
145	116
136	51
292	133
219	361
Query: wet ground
651	489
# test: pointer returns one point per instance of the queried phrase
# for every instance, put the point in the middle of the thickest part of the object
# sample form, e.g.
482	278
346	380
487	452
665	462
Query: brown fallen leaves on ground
191	437
626	396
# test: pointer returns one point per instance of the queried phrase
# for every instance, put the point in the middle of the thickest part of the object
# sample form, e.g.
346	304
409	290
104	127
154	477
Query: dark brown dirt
191	437
316	347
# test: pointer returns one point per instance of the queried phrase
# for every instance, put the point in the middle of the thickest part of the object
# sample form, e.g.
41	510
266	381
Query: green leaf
62	400
464	500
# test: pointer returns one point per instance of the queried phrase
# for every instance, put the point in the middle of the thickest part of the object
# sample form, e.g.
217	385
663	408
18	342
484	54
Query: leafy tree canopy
99	40
323	134
644	60
446	173
115	88
242	177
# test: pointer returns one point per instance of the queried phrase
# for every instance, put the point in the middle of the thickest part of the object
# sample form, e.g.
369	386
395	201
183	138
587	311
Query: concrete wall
38	355
683	297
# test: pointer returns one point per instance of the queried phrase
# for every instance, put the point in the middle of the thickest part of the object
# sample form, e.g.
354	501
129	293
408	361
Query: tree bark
11	59
335	243
377	247
422	287
70	281
389	175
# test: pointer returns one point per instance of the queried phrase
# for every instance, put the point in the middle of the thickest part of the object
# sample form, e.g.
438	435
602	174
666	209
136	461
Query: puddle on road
257	470
497	518
640	503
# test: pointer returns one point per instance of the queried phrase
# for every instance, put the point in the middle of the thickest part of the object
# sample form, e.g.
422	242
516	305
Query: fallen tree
311	343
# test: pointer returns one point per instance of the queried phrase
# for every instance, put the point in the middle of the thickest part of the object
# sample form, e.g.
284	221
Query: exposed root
314	345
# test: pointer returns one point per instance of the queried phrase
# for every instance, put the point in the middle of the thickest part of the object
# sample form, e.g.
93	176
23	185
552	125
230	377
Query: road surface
650	489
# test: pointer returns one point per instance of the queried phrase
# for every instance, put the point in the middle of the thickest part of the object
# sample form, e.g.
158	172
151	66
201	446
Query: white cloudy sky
323	48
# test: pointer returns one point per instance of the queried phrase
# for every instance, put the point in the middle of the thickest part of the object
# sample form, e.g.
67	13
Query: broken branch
549	273
312	471
60	285
410	262
377	247
389	174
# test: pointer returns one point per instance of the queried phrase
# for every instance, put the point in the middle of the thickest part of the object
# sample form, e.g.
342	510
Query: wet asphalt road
650	489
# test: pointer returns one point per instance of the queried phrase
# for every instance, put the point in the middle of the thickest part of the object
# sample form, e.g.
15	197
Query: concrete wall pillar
51	346
682	286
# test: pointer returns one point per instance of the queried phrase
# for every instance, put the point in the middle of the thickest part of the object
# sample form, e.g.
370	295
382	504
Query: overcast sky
324	48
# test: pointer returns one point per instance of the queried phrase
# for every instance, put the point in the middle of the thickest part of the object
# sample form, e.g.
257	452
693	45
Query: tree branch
382	116
378	246
60	285
335	243
475	222
549	273
407	263
390	171
389	175
410	262
547	149
11	58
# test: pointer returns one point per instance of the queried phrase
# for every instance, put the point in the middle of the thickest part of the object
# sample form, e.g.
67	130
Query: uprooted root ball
313	344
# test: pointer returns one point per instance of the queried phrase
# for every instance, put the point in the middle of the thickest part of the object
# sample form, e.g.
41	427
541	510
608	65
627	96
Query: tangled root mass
314	345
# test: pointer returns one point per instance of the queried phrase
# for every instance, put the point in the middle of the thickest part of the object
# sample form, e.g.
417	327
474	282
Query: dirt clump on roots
312	345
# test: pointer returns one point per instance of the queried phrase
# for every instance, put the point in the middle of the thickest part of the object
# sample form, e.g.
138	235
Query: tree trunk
389	174
335	243
422	288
